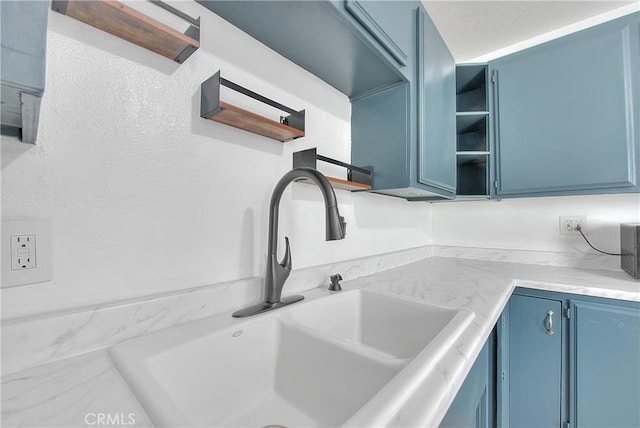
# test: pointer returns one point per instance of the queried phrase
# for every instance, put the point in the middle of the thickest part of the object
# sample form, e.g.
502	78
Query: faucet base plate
266	306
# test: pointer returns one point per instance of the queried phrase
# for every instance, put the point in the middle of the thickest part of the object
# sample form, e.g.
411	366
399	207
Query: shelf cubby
471	88
472	130
471	133
472	174
134	26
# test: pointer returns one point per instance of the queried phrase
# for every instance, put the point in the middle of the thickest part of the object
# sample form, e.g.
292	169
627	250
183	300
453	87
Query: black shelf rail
357	174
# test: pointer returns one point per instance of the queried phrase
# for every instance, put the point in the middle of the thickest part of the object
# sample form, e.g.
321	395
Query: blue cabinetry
408	132
384	23
472	119
566	360
473	405
389	58
23	41
531	363
567	114
325	38
605	374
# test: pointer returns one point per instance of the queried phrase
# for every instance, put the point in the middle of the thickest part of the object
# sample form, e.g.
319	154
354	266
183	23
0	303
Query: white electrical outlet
26	252
569	225
23	252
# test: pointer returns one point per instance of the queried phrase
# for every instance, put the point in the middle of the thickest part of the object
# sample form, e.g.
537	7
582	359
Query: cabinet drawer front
567	113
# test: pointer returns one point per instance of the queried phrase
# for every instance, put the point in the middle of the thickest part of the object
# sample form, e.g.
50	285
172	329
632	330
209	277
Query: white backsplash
34	340
533	224
39	339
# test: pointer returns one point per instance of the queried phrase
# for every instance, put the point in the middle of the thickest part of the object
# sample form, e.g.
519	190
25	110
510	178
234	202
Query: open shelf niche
358	178
211	107
134	26
472	129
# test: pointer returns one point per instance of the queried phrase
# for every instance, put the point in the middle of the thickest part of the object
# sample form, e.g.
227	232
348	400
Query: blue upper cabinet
384	23
436	87
407	132
343	43
389	58
567	114
23	40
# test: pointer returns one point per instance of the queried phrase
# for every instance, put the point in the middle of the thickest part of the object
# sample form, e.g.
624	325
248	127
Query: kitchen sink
396	326
321	362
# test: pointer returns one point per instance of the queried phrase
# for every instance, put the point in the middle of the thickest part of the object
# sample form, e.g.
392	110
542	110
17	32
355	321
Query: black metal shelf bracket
210	101
308	158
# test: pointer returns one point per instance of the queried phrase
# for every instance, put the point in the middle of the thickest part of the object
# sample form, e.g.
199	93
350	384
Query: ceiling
476	28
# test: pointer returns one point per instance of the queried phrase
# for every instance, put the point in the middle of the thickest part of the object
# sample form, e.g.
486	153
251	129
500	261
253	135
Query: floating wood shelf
243	119
134	26
341	184
289	128
358	178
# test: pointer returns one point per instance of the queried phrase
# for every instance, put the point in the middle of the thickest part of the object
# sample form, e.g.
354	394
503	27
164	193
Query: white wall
144	196
533	223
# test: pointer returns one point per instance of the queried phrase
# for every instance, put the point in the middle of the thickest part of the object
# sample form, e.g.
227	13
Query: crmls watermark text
110	419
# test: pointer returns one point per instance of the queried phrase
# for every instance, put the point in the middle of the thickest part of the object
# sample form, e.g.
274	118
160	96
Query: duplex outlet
23	252
569	224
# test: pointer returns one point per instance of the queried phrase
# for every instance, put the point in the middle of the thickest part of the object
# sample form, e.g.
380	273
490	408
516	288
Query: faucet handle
344	228
335	282
286	260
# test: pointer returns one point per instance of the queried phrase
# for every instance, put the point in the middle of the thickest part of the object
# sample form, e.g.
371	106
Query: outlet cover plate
38	267
568	224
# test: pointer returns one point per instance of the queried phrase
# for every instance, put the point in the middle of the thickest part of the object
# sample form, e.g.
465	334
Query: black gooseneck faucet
278	272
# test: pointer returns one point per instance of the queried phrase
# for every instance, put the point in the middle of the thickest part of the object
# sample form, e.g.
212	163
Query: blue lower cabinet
532	363
606	365
474	403
568	361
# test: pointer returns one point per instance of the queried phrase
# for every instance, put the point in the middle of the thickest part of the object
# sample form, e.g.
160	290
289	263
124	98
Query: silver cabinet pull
549	323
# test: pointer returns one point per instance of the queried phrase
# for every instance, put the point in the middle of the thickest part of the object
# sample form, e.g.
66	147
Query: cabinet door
386	22
533	373
470	408
436	151
23	39
567	113
606	365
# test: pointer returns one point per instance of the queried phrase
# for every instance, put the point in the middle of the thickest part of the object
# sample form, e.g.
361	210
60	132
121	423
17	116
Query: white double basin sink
344	359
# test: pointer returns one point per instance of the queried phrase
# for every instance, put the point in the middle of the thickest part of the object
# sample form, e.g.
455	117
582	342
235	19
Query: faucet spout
278	272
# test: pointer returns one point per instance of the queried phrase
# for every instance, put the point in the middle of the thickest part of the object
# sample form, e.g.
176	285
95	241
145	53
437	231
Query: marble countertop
67	392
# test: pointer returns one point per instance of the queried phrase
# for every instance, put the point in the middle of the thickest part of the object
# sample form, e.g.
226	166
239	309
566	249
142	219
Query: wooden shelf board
129	24
248	121
341	184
